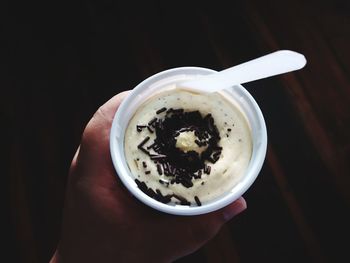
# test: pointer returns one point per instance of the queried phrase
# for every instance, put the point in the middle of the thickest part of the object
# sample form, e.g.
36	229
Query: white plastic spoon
275	63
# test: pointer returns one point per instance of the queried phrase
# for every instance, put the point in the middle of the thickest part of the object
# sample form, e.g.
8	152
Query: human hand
103	222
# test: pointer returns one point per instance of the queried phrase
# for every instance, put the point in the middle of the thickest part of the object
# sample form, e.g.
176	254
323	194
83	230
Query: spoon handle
275	63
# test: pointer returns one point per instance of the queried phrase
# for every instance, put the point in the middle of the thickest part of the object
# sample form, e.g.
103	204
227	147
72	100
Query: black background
60	61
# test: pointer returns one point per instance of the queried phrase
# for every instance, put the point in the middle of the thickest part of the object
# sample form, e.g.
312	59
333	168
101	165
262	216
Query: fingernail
234	209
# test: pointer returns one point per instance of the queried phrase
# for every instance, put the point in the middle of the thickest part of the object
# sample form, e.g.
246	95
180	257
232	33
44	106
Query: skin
103	222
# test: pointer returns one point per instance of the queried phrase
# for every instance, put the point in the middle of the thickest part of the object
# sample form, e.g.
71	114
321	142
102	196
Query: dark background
60	61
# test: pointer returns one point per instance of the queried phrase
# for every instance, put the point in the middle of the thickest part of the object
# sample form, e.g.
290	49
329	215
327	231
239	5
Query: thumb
234	209
92	158
94	146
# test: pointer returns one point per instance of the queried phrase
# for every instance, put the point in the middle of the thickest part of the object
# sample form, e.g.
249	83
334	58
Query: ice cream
187	148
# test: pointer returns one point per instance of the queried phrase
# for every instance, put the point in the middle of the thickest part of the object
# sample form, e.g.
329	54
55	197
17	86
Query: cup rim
124	174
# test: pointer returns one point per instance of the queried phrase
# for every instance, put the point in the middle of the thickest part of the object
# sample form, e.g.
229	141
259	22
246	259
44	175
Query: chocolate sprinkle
216	155
145	140
142	186
143	150
147	172
157	157
186	182
140	127
159	169
198	143
177	111
217	148
162	198
140	146
144	164
207	169
158	194
183	201
161	110
166	168
154	194
151	146
197	201
162	181
151	122
181	167
151	192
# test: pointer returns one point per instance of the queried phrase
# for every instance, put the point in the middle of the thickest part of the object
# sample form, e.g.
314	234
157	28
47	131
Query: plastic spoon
275	63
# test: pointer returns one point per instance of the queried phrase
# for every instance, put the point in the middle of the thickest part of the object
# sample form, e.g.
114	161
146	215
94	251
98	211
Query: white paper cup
154	84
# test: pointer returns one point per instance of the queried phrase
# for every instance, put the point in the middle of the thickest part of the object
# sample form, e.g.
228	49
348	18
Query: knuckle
201	233
101	114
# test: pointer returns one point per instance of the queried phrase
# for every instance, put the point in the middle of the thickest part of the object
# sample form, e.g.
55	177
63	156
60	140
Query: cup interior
237	94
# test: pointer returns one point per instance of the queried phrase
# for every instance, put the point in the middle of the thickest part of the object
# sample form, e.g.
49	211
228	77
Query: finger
190	233
204	227
230	211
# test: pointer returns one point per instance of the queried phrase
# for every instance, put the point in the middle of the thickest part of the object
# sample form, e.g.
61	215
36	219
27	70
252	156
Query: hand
103	222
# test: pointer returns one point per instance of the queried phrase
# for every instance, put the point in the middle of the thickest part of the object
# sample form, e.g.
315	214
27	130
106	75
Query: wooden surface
59	62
